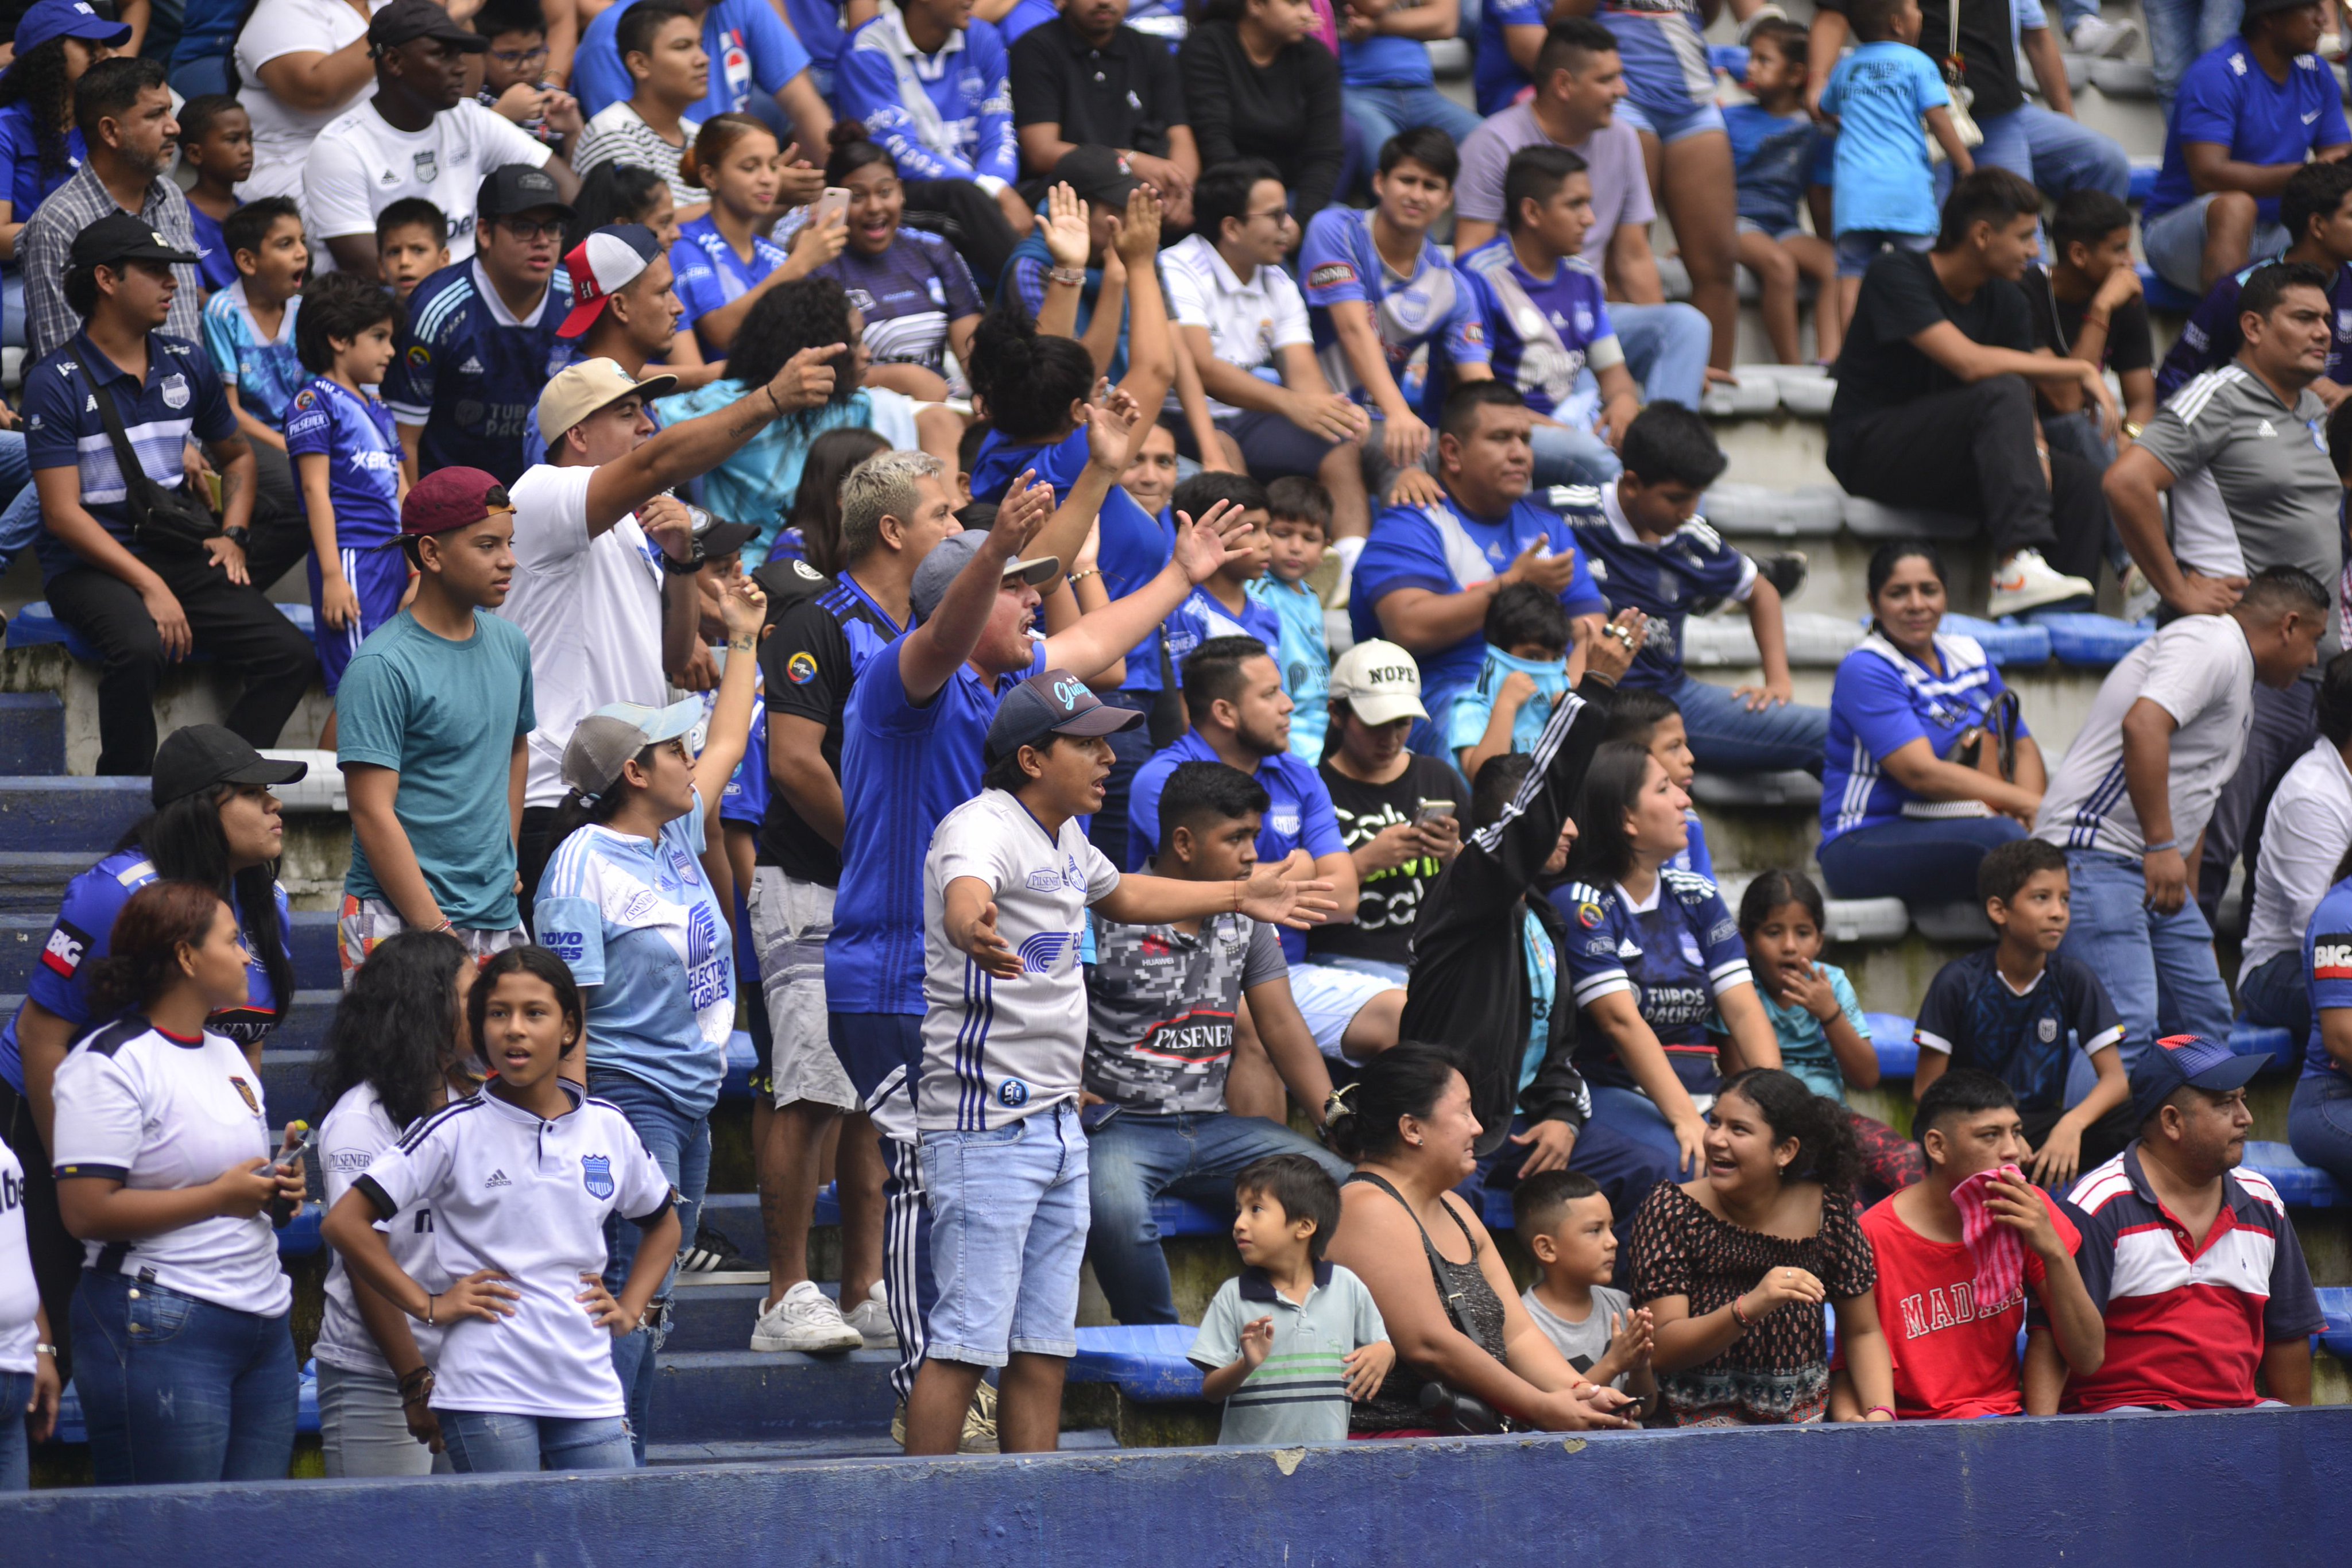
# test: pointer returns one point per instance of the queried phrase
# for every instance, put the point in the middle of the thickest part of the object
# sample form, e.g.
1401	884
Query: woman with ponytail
724	261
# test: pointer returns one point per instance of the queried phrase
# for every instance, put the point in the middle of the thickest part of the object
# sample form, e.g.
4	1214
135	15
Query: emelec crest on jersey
596	1174
252	1103
427	168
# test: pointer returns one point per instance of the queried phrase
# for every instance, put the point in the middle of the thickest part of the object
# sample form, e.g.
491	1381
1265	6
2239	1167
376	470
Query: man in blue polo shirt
146	606
1428	574
750	47
2249	114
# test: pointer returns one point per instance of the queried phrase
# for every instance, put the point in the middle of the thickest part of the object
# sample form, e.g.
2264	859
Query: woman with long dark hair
1735	1266
165	1171
812	530
724	261
395	1053
40	147
924	301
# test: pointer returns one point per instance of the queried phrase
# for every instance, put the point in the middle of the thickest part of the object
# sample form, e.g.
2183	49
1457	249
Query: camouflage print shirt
1159	1010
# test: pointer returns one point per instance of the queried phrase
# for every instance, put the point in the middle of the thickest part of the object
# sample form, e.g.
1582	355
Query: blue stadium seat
1890	1037
2162	295
1182	1216
300	1238
37	625
742	1058
1146	1361
2303	1185
2143	180
2004	641
2090	642
2284	1050
2335	1339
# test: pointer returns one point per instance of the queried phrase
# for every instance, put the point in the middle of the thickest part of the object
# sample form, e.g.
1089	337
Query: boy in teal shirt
1298	526
1524	676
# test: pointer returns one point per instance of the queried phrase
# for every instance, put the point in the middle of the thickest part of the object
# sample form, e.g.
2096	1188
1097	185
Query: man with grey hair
895	506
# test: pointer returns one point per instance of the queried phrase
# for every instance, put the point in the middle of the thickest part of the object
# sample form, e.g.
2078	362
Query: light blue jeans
482	1441
2158	968
680	1144
2058	154
1665	347
2319	1128
1382	112
2178	31
1008	1237
175	1390
1726	737
20	503
1566	455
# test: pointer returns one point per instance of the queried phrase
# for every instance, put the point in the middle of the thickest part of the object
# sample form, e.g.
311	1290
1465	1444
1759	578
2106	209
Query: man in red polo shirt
2191	1260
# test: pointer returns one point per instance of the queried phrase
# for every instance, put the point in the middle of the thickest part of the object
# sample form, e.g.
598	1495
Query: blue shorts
380	577
1680	126
1857	248
1770	231
1009	1215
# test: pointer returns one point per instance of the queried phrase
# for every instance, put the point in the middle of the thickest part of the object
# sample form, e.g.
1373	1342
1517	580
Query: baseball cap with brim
1097	175
600	266
2188	1061
1054	703
603	743
199	756
581	388
951	555
404	21
1379	682
122	236
49	19
726	538
514	188
451	499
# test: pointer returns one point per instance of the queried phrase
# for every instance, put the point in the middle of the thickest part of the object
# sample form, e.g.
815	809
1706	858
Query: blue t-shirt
1972	1015
59	978
355	433
1446	549
1497	78
1882	701
1658	580
2226	99
1523	357
1771	157
266	373
470	373
1805	1049
22	179
709	274
1694	856
2210	338
903	768
2327	965
1028	273
968	86
1883	181
1677	956
445	717
215	263
1025	16
1200	618
1434	309
1384	59
1467	727
818	26
1298	815
749	47
182	397
646	937
745	797
1304	652
1667	72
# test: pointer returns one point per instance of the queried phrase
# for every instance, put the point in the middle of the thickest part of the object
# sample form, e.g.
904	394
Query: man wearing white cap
606	595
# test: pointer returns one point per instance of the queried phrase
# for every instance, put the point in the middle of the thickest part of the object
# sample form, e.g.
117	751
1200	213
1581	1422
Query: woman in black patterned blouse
1736	1265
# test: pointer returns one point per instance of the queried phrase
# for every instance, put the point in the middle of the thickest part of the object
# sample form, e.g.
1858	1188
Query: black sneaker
1785	571
710	1253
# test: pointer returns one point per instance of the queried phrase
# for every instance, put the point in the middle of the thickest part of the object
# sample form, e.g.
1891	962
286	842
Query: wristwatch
688	568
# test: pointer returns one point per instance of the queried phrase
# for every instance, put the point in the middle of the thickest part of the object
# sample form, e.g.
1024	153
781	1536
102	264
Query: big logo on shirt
67	944
2331	956
596	1174
1931	1311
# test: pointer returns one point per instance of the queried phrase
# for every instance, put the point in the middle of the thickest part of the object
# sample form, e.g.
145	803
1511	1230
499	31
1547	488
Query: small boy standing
1774	146
1289	1342
2019	1008
216	143
1223	606
1297	527
1884	188
1005	1044
1525	674
1563	1218
249	325
411	244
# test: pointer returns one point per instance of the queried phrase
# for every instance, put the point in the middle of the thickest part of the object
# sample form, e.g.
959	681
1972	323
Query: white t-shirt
2304	839
2199	670
158	1113
529	1198
282	134
20	1297
351	1138
361	165
619	135
591	609
1246	321
996	1050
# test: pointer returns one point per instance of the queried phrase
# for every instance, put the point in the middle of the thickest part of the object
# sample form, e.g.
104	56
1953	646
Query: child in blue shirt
1883	187
216	143
1222	606
1523	678
249	325
1298	523
1774	145
346	455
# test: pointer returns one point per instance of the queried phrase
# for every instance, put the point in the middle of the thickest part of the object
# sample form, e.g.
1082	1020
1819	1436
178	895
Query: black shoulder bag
160	520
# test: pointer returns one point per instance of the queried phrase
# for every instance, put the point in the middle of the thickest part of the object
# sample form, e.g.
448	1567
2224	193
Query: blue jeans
12	310
1567	456
2276	994
1382	113
1008	1237
1925	861
1726	737
1625	1168
194	78
680	1144
1135	1158
2055	152
482	1441
2178	31
15	1446
1635	1120
2158	968
20	516
1666	349
2319	1128
175	1390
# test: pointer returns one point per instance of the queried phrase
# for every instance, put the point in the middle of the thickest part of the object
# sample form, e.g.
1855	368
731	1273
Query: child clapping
1563	1220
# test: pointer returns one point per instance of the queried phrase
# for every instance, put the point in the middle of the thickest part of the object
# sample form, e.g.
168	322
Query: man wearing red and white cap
623	309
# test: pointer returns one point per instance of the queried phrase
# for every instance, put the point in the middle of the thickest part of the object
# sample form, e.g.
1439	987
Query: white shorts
1330	999
790	921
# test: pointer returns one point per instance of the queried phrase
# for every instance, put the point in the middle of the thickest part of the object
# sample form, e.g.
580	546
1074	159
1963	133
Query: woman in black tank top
1449	1304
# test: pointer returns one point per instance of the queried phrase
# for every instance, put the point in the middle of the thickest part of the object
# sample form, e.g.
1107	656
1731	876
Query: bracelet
428	1310
2132	428
48	1350
2147	849
1077	578
1877	1409
446	925
1742	1319
1075	276
673	567
773	401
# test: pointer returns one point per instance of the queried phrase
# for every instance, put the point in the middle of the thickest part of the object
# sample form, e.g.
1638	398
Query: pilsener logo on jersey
2331	956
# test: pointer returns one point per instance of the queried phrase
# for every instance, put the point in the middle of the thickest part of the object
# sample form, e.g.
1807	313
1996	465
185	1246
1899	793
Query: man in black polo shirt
1088	79
145	598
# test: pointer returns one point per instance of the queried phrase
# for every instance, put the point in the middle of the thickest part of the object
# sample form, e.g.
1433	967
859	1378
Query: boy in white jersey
1006	890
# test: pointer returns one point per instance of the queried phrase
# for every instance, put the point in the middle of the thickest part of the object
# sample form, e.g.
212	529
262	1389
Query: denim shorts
1857	248
1009	1212
1750	227
1680	126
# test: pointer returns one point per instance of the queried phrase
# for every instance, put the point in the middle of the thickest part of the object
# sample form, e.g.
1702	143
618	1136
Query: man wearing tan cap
606	558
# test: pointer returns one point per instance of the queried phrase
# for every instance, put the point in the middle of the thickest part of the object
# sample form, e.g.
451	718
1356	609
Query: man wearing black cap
149	593
483	335
421	134
1099	178
2187	1255
1087	80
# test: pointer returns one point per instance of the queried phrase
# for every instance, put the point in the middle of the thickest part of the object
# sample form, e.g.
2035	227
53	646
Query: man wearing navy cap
2187	1255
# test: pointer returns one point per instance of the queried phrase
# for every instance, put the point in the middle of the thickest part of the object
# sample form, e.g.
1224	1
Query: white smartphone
830	206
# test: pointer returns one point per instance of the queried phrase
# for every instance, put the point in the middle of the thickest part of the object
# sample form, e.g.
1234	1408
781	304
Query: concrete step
33	881
54	813
751	1396
1093	1439
32	733
315	967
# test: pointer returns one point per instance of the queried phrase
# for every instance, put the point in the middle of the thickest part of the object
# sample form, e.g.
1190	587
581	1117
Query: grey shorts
790	921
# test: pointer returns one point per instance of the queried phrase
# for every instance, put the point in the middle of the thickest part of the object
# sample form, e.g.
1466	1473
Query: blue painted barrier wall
2241	1489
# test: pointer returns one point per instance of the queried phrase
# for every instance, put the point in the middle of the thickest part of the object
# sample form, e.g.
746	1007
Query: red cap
451	499
608	260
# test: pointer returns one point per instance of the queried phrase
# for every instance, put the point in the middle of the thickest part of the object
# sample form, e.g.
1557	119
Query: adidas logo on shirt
2265	431
472	367
498	1178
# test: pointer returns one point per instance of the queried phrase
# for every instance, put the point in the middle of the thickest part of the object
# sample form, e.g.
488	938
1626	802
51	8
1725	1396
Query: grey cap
951	555
1054	702
603	743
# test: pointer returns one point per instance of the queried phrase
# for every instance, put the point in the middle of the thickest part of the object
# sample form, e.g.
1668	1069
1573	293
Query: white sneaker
804	1320
871	1319
2029	582
2097	36
2140	598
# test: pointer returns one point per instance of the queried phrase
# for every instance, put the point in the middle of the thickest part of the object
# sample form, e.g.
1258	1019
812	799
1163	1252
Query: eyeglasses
1279	214
524	229
515	59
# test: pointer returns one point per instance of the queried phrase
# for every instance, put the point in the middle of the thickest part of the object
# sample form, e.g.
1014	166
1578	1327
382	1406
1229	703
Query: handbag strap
144	492
1437	1263
1952	50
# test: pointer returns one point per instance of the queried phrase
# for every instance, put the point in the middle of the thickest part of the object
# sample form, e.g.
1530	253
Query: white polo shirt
1247	321
20	1297
591	609
158	1113
359	165
2304	839
529	1198
354	1135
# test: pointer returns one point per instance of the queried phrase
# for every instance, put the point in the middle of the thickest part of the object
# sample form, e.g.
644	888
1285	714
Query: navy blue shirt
1677	957
1658	580
809	664
1972	1015
470	373
2212	339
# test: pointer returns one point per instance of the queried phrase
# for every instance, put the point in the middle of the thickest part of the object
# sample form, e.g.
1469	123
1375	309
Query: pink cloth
1326	30
1999	1251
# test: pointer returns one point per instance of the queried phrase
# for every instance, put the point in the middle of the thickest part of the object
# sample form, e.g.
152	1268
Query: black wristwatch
676	567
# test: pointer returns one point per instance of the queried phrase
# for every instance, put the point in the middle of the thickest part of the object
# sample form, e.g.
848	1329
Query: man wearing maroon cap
433	717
